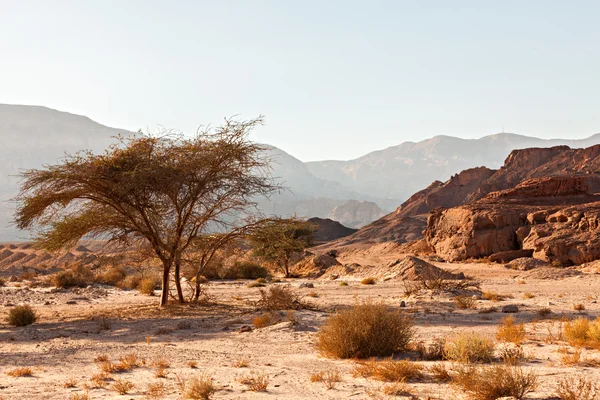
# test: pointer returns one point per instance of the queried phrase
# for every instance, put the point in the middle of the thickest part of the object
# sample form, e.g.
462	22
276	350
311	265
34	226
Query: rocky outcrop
355	213
327	230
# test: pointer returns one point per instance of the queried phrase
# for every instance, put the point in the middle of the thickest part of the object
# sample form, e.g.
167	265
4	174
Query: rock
403	304
13	279
508	256
306	285
510	308
245	328
526	263
70	302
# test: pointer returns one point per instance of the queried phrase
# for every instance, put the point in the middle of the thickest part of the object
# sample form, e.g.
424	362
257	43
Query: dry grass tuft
493	382
99	380
161	361
192	364
20	372
390	370
397	389
21	316
199	388
160	372
255	381
366	330
79	396
578	307
509	331
583	332
494	296
122	386
544	312
279	297
147	286
129	361
578	389
528	295
512	355
70	383
329	378
439	372
571	358
432	351
263	320
464	302
156	390
368	281
242	363
469	348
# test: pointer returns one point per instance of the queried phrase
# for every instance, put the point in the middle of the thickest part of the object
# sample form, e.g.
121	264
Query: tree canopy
160	191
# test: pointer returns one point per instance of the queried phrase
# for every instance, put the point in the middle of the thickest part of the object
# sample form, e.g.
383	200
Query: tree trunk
178	279
286	267
197	289
164	295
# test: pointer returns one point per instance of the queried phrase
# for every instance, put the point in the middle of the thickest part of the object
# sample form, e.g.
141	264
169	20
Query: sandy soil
69	335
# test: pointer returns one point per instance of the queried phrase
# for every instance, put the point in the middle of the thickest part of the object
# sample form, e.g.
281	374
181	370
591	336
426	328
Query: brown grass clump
279	297
329	378
255	381
199	388
263	320
583	332
578	307
156	390
397	389
129	361
21	316
432	351
494	296
161	362
578	389
99	380
147	286
122	386
243	363
70	383
439	372
571	359
528	295
512	355
390	370
20	372
79	396
490	383
509	331
192	364
75	276
366	330
469	348
544	312
255	284
113	276
368	281
464	302
160	372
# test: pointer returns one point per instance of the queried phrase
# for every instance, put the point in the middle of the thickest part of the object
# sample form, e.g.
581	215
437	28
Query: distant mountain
398	172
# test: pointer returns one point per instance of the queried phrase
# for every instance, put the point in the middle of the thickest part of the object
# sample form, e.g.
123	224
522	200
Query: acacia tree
278	239
160	192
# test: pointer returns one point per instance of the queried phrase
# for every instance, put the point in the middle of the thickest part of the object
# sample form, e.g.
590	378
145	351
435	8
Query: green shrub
366	330
77	276
245	270
21	316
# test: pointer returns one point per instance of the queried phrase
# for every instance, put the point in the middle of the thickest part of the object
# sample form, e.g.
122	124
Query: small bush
76	276
397	389
156	390
20	372
366	330
544	312
147	286
440	372
577	332
368	281
511	332
21	316
512	355
200	388
578	307
432	351
494	296
79	396
279	297
343	283
122	386
578	389
490	383
464	302
263	320
528	295
245	270
255	381
390	370
470	348
571	359
329	378
114	276
242	363
255	284
70	383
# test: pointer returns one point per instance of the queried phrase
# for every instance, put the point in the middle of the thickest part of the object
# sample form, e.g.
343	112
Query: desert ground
76	327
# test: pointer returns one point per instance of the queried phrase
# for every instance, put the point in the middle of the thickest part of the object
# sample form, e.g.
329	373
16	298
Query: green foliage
245	270
277	240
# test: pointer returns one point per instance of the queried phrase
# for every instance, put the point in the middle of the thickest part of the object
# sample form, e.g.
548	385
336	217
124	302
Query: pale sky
335	79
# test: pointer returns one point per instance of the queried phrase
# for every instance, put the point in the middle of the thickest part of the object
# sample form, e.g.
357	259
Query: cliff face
547	202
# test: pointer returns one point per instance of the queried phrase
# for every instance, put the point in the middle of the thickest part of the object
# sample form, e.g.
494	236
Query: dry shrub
544	312
147	286
390	370
122	386
129	361
329	378
464	302
242	363
512	355
20	372
313	294
101	358
79	396
279	297
365	330
99	380
263	320
439	372
156	390
493	382
368	281
70	383
192	364
571	359
75	276
255	284
494	296
113	276
578	307
199	388
509	331
578	389
161	362
160	372
583	332
21	316
528	295
255	381
397	389
432	351
469	348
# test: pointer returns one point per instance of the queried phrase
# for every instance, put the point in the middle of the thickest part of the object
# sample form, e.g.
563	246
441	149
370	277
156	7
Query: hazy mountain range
353	192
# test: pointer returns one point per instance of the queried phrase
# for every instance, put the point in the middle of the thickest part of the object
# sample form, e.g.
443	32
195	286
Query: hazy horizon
334	80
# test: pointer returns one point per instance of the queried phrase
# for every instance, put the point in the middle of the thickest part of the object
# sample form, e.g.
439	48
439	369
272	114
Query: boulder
507	256
526	264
